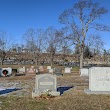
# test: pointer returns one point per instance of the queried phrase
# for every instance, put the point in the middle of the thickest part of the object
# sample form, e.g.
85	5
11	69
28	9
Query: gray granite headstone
99	80
58	71
44	83
0	72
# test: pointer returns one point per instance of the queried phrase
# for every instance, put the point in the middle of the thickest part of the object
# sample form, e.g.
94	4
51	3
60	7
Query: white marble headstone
84	72
50	70
67	70
21	70
48	67
41	69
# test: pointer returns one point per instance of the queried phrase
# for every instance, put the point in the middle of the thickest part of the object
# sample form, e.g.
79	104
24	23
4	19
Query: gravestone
99	80
37	71
50	70
0	71
6	71
41	69
21	70
48	67
58	71
14	71
67	70
84	72
31	70
45	83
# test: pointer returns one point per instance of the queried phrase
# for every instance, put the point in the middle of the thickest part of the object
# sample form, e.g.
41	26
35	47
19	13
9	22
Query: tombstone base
87	91
52	93
34	94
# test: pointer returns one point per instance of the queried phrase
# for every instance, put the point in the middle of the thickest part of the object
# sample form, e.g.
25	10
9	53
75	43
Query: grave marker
45	83
67	70
84	72
58	71
6	71
48	67
99	80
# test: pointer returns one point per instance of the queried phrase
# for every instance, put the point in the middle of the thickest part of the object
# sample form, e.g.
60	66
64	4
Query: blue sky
18	15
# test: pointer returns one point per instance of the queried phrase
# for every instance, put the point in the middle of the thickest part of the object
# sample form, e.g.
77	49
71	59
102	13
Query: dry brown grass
77	100
73	99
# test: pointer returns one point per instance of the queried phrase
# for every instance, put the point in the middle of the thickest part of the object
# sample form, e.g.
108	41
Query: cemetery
49	65
62	85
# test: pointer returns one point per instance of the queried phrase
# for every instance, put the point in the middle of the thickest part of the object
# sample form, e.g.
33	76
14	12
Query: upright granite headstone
99	80
31	70
45	83
58	71
0	71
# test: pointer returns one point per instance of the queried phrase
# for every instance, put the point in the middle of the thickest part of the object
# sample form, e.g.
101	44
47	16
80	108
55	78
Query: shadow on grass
6	91
63	89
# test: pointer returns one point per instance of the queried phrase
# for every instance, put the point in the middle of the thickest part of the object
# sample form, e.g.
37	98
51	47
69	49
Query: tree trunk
81	57
2	61
51	60
36	61
52	57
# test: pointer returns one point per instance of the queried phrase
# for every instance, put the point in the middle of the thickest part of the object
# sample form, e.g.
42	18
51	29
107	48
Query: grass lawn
73	99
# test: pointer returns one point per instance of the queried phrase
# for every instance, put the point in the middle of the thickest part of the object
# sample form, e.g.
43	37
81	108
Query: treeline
79	23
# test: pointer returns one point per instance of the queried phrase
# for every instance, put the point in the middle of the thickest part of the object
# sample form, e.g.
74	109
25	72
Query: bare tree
95	43
52	42
5	44
81	18
39	44
30	41
65	44
34	43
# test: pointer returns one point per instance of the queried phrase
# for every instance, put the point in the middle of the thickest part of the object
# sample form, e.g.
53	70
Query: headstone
31	70
0	71
14	71
67	70
37	71
99	80
21	70
58	71
41	69
45	83
50	70
48	67
6	71
84	72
